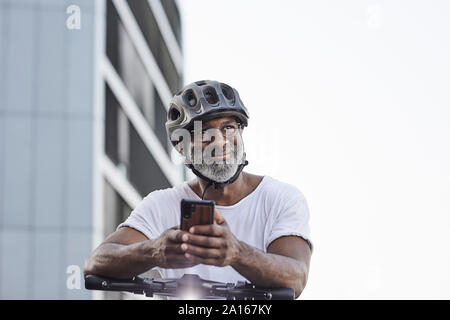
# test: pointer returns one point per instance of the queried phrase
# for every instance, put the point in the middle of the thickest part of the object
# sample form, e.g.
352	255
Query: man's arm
127	253
286	263
123	254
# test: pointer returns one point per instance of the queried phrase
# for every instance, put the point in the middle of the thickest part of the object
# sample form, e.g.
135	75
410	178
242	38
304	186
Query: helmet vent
227	92
200	83
210	95
174	114
189	98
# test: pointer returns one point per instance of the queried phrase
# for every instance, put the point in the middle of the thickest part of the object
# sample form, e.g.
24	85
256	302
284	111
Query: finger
203	241
175	249
203	252
175	235
218	217
176	261
172	234
200	260
208	230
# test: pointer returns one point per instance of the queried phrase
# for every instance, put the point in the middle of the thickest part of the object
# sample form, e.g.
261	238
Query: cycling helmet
205	100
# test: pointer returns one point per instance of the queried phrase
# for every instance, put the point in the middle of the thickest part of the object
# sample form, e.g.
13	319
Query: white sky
349	101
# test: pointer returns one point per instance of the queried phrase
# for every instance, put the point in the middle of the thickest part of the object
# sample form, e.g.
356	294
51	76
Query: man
261	229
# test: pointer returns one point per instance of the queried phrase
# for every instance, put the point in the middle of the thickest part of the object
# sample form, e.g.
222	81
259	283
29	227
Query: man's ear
240	127
241	130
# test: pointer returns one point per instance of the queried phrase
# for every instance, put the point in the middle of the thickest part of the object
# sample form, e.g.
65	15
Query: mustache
224	151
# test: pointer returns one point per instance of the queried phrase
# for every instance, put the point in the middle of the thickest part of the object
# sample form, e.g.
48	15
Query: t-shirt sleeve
292	219
142	219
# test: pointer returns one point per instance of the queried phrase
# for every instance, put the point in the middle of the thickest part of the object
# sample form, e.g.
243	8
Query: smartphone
196	212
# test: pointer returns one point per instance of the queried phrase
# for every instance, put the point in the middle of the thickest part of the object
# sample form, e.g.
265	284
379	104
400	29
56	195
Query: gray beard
221	172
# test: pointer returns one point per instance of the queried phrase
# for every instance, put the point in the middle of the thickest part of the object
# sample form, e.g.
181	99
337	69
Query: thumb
218	219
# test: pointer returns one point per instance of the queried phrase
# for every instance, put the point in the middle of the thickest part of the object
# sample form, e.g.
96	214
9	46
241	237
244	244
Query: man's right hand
168	251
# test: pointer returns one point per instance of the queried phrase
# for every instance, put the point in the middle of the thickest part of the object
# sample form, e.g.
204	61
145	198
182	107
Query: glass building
84	91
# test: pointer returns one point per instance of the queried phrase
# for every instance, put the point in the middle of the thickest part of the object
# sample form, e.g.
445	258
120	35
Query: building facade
84	91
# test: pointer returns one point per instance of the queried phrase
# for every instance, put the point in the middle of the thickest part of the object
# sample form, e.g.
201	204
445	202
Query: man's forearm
120	261
268	269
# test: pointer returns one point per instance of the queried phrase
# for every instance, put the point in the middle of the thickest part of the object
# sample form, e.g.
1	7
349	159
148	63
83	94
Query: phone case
196	212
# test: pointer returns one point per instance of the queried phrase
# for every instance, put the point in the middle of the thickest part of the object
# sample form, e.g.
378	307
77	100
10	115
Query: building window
128	64
149	28
160	124
111	120
173	15
145	174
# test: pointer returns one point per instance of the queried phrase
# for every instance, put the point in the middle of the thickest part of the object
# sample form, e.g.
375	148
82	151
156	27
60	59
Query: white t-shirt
272	210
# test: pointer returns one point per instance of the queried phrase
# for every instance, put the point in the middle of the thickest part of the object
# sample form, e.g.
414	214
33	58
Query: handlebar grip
93	282
281	294
261	293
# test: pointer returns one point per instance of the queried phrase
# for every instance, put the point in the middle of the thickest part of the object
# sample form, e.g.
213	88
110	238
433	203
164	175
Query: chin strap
216	184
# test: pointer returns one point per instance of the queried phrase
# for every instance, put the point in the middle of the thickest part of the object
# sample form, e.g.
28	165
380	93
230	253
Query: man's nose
219	138
220	143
